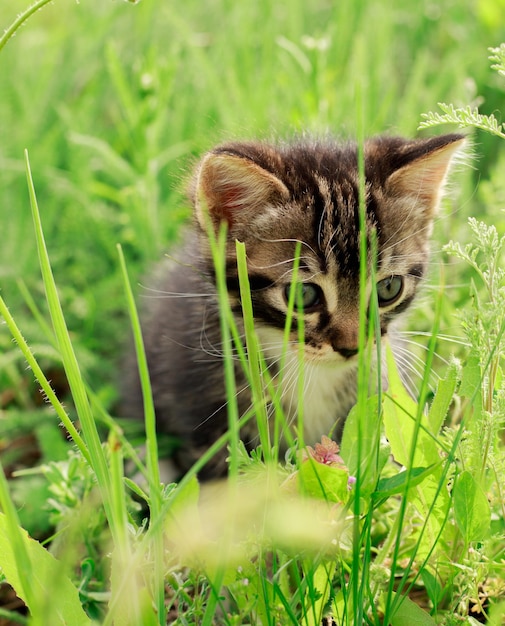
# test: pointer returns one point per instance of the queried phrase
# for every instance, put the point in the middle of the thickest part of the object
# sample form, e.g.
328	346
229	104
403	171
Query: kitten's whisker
410	376
330	245
219	408
401	226
410	384
197	349
449	338
155	294
288	261
215	348
320	228
406	349
420	346
292	240
412	355
411	362
412	342
287	381
287	276
278	347
403	359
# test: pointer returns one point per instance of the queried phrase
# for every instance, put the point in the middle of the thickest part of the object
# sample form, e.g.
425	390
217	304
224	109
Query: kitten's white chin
329	386
328	382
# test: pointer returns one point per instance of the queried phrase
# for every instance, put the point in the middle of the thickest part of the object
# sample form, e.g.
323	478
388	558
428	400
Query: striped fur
273	196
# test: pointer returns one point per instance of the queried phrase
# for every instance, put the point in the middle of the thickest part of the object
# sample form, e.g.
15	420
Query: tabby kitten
273	196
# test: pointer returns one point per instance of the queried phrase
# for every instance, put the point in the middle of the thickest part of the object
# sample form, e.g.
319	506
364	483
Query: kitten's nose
347	352
345	339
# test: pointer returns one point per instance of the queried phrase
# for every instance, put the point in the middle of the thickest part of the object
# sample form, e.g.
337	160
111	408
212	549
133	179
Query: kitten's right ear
423	177
236	190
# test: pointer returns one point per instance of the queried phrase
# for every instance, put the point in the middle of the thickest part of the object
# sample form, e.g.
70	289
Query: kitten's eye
310	294
389	290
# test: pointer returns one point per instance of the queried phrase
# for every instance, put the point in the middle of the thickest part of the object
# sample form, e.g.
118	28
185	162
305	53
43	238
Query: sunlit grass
113	102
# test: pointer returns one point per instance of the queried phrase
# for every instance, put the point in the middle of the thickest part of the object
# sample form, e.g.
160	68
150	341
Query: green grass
113	102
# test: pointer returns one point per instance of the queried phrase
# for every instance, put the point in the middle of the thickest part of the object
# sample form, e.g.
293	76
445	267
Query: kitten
273	196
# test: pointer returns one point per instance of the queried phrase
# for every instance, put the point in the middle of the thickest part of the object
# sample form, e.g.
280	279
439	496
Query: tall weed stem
20	20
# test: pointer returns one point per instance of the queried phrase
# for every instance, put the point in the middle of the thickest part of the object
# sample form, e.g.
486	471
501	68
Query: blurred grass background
115	100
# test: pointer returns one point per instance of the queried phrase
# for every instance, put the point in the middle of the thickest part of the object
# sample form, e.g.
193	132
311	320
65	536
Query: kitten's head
275	196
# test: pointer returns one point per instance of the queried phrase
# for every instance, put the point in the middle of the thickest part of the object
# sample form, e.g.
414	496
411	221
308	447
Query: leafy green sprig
464	118
498	56
469	117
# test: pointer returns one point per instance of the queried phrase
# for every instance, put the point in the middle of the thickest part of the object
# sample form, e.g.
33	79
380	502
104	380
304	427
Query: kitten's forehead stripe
323	180
322	210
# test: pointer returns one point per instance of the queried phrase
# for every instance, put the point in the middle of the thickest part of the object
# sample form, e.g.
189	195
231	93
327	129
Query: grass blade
75	380
44	383
153	472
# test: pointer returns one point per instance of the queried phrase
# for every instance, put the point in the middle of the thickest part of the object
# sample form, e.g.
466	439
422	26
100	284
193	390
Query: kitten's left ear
236	190
422	178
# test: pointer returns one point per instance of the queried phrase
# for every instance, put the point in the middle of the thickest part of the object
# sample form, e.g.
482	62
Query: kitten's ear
422	178
234	189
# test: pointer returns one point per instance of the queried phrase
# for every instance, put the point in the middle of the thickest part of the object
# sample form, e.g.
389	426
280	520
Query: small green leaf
414	444
472	380
410	614
471	508
47	575
497	614
396	484
432	585
359	447
183	498
400	412
400	415
443	397
323	577
324	482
